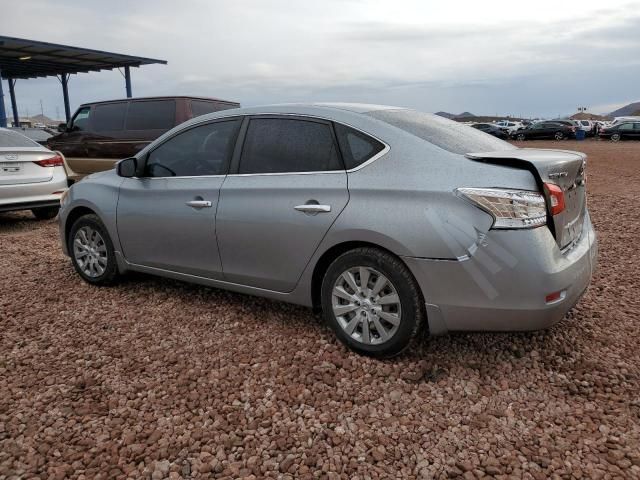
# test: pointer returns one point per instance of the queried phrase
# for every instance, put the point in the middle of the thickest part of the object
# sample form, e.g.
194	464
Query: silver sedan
390	220
32	177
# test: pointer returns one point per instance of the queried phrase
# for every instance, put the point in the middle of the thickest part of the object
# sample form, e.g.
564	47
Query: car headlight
509	208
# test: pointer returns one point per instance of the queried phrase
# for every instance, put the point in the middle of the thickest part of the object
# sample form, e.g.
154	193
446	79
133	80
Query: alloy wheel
366	305
90	251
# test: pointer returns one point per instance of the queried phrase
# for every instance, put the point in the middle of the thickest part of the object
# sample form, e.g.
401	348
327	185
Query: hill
627	110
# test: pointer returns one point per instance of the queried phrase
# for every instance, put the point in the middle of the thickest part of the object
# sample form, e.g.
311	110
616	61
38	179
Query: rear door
288	188
166	219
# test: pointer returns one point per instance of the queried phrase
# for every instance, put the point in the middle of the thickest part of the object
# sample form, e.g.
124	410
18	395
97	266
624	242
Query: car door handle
313	208
199	203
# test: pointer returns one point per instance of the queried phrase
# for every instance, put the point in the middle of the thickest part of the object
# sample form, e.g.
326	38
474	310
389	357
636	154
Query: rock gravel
159	379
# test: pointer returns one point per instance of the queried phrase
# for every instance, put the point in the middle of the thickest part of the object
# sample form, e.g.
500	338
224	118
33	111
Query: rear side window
447	134
151	115
275	145
109	116
200	107
356	147
15	140
202	150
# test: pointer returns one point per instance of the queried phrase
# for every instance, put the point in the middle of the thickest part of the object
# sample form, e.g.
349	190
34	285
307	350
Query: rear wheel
45	213
559	136
91	251
521	136
372	302
615	137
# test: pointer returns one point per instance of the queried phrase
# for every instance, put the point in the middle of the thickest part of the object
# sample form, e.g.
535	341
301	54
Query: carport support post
14	105
127	81
3	114
64	79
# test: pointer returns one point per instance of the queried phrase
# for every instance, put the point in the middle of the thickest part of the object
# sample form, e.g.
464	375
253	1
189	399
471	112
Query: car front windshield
447	134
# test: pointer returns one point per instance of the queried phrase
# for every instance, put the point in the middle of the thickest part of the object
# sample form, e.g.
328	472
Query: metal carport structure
23	59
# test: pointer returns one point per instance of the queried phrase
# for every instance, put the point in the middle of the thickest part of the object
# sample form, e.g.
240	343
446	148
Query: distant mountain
627	110
451	116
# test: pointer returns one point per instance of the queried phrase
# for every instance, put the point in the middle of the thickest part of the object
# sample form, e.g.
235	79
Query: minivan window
356	147
447	134
109	116
151	115
201	107
277	145
202	150
81	119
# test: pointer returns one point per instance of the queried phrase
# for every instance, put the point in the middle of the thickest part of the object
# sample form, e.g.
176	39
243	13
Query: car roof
168	97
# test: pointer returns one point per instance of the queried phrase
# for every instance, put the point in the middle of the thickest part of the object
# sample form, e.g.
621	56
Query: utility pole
41	109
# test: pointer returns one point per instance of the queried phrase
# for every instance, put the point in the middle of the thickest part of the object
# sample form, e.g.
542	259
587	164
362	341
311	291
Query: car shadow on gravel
18	222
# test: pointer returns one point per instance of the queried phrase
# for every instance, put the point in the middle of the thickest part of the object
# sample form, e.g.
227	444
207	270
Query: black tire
45	213
521	136
616	137
412	316
110	273
559	136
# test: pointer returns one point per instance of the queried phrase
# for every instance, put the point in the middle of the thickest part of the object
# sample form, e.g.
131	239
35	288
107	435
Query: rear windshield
15	140
451	136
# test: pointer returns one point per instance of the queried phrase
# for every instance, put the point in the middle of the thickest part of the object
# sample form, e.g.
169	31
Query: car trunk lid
17	166
563	168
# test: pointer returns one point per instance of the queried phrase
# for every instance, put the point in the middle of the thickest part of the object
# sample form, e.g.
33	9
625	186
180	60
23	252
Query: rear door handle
199	203
313	208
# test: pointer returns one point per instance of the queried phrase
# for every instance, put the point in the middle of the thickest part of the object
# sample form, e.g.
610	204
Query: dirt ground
160	379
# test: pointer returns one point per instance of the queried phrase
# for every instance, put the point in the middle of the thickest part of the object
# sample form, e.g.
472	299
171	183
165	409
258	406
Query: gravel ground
155	378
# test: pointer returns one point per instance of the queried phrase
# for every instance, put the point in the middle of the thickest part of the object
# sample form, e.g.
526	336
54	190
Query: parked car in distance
491	129
32	177
587	126
101	133
509	126
542	130
300	203
621	131
39	135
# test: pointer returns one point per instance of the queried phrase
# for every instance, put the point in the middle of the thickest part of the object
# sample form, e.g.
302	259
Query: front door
166	218
288	189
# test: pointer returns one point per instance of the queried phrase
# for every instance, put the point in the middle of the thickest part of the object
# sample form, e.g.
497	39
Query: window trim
235	163
143	166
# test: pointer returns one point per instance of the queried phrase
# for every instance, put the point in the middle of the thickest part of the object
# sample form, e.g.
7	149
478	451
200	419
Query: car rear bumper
33	195
503	285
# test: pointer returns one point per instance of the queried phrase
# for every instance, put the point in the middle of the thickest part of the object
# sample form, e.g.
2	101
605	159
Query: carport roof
21	58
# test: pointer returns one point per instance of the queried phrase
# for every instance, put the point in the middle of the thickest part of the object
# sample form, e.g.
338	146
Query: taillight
51	162
556	198
509	208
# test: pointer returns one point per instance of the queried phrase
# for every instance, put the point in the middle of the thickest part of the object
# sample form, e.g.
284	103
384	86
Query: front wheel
521	136
91	251
45	213
372	302
559	136
615	137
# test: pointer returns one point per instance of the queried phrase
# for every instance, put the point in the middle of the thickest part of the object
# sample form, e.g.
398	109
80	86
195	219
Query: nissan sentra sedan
389	220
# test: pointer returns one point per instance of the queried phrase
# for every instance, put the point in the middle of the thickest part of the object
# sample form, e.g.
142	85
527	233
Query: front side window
151	115
202	150
356	147
447	134
80	121
277	145
109	116
626	126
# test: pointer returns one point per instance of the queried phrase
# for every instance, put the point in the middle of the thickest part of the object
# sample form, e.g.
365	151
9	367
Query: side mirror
62	127
127	168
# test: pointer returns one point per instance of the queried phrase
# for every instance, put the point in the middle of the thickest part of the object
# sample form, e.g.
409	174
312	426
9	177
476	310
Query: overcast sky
536	58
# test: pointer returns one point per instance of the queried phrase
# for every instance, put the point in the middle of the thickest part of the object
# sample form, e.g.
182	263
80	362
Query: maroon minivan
100	133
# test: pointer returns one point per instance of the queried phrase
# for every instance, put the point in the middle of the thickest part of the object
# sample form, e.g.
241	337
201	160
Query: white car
32	177
509	126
